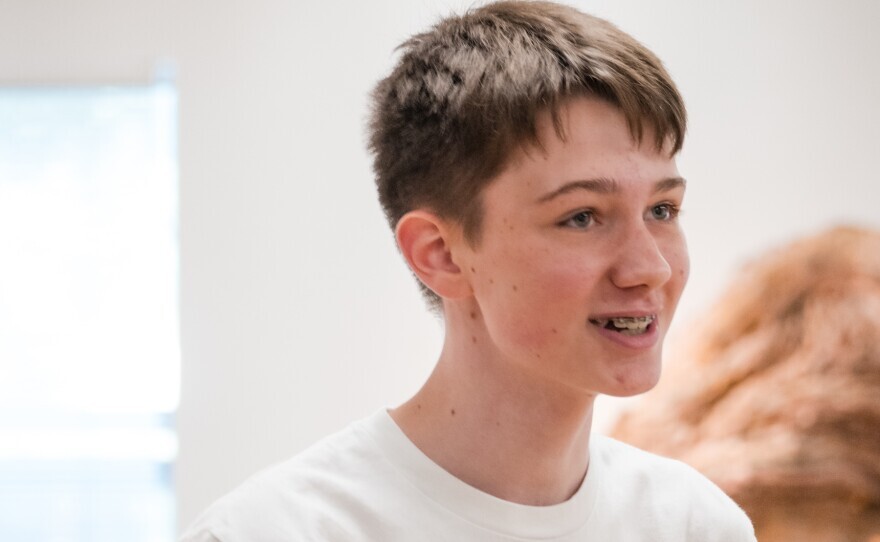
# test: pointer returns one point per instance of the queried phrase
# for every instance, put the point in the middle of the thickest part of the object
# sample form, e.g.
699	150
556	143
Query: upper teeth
626	322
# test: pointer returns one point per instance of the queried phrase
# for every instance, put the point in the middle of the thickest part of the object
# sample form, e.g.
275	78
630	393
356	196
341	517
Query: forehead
595	143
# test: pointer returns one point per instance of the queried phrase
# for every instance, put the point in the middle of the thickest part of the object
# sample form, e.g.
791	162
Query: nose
640	260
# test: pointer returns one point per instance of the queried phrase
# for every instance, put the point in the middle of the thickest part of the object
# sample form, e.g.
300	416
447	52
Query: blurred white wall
297	314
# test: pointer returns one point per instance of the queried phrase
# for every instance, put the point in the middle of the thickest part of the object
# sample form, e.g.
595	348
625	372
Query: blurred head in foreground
777	394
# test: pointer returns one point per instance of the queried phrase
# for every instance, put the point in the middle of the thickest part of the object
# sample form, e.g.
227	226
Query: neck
498	428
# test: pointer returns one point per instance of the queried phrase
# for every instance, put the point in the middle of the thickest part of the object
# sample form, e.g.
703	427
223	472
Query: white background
297	315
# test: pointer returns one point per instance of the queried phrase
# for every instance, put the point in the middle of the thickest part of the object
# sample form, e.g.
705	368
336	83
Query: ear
428	243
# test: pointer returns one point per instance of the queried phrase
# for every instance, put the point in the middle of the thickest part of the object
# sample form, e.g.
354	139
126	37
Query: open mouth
625	325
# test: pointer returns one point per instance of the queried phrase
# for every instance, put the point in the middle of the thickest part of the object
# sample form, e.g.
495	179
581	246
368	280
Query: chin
635	380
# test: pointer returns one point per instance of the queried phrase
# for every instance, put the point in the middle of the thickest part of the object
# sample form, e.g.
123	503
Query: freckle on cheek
554	330
474	339
473	315
491	281
473	270
515	288
452	412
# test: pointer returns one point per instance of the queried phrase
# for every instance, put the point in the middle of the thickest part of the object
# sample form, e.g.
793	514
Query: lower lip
636	342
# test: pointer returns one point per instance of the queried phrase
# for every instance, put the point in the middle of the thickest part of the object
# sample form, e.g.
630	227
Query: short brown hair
468	91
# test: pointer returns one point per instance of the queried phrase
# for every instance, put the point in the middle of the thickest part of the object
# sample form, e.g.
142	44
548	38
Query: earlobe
427	244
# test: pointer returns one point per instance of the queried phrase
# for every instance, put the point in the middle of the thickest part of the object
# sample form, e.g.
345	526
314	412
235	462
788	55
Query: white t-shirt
369	482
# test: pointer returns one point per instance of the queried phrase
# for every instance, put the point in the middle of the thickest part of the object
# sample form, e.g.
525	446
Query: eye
664	212
580	220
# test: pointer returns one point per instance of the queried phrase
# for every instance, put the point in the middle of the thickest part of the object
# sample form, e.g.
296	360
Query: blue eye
580	220
664	212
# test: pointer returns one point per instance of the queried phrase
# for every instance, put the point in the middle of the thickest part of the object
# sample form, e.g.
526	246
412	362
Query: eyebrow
609	186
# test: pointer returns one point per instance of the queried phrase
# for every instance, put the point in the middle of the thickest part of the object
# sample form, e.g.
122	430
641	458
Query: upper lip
636	313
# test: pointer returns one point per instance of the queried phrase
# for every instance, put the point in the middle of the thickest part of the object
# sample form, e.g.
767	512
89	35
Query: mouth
625	325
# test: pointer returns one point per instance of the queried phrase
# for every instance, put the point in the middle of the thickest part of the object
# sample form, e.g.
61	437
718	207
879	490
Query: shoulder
302	496
670	490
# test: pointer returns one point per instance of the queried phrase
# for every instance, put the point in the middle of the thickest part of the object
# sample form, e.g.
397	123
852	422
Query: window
89	351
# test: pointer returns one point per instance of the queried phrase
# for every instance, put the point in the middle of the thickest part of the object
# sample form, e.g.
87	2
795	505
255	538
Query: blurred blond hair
776	395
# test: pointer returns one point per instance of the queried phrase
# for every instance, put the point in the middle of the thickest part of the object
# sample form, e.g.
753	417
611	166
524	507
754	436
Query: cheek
539	297
679	262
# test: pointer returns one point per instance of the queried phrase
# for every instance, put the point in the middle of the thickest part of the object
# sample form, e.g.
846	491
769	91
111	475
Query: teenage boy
525	158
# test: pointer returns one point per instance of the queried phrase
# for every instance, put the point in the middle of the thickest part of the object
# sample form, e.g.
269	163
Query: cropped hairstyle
466	93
